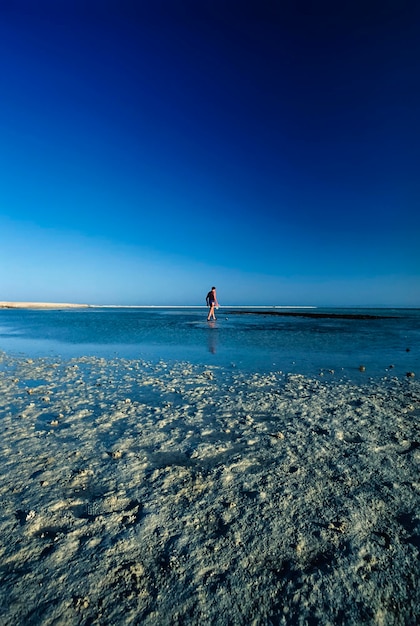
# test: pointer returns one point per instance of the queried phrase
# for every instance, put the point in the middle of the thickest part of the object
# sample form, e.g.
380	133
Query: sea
339	343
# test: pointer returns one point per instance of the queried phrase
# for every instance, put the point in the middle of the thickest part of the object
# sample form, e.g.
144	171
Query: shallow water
252	342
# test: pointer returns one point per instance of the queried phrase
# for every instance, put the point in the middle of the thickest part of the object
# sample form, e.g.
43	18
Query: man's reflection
212	337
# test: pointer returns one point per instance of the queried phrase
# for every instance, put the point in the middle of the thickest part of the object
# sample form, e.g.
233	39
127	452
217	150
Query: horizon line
66	305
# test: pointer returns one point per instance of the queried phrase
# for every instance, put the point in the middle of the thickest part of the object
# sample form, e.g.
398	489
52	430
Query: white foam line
194	306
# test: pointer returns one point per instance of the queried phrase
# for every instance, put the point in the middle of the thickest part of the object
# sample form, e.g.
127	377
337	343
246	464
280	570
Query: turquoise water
249	342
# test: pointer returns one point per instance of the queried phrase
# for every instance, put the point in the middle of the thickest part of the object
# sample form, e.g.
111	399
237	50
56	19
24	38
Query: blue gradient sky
269	148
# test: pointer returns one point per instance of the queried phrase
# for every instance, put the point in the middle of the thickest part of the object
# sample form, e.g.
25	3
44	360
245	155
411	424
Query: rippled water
251	342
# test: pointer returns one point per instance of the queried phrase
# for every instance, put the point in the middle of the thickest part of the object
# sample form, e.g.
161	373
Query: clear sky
150	150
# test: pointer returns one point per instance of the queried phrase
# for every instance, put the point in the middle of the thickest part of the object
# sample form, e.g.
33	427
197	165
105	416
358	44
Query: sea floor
140	493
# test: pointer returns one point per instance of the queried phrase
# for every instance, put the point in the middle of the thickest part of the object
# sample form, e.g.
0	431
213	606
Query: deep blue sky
152	149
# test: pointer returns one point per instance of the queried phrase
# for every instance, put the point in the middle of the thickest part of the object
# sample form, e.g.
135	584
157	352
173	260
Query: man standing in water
211	301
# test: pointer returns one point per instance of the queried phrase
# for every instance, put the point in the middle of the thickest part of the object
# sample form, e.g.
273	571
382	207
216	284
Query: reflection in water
212	336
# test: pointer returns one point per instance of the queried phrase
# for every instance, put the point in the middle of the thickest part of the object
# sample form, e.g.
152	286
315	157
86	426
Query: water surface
251	342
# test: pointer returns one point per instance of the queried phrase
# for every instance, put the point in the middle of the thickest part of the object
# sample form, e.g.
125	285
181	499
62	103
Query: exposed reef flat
343	316
141	493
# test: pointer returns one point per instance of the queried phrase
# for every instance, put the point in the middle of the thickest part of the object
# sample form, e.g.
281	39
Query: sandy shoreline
171	494
41	305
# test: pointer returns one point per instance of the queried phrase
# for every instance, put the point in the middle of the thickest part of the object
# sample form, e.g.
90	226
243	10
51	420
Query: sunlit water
310	346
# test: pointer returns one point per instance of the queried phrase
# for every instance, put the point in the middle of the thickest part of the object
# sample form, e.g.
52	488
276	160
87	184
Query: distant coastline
272	310
66	305
41	305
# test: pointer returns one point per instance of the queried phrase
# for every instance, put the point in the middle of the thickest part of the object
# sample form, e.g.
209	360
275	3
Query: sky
152	150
